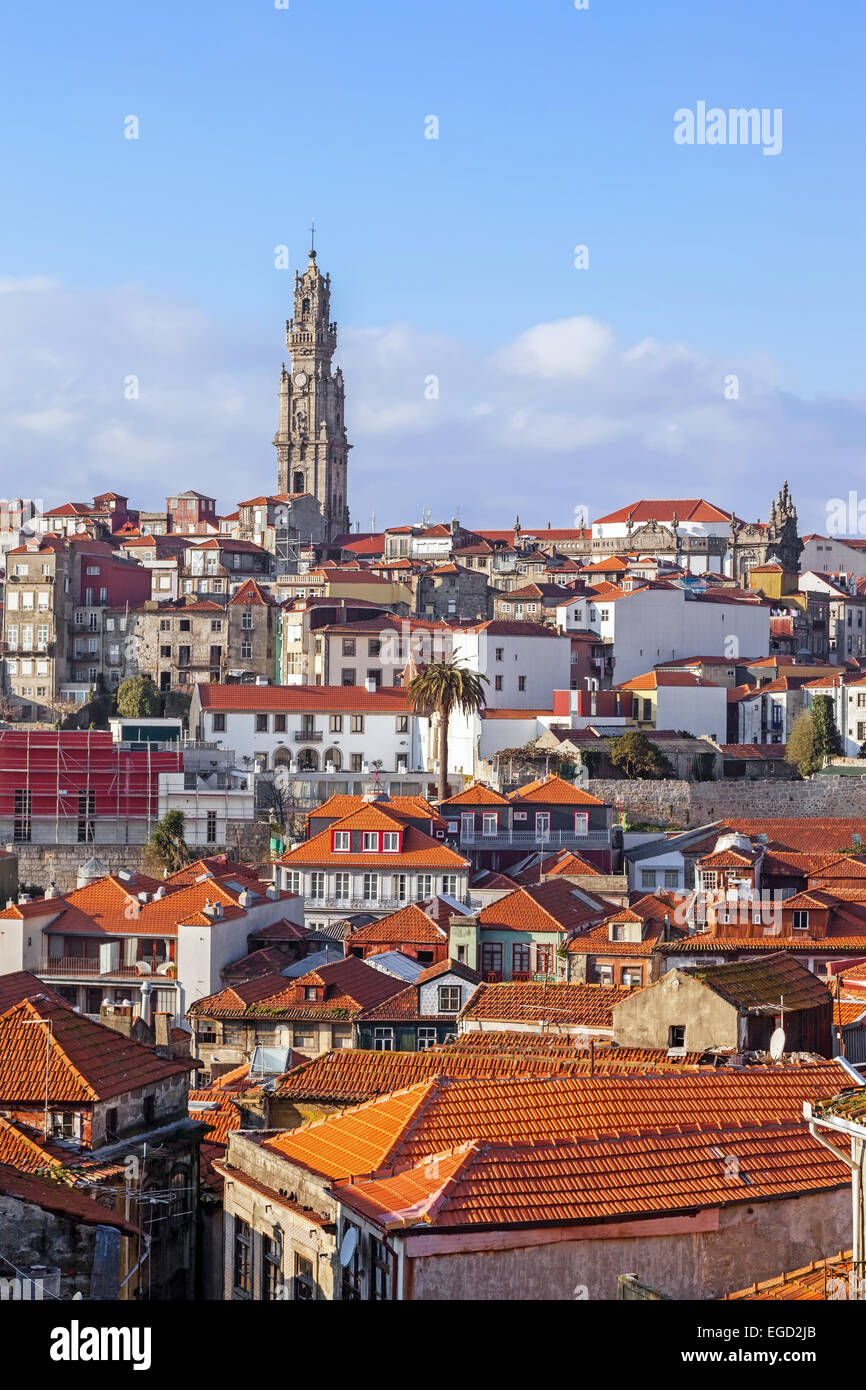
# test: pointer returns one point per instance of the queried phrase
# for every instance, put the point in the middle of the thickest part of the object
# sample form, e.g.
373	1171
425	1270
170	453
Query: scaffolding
56	782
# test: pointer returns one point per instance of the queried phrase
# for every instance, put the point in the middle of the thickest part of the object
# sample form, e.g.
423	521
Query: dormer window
342	840
391	842
371	842
800	921
311	993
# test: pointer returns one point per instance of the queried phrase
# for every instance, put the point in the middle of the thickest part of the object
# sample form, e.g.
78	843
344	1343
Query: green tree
828	743
138	698
802	747
637	757
167	849
441	688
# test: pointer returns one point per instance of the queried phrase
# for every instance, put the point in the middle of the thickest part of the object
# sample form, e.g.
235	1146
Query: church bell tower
312	450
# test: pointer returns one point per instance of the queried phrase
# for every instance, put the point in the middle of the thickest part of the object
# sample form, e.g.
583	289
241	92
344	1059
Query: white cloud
563	412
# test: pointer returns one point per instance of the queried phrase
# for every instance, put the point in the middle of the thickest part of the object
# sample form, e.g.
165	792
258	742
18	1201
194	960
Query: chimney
370	686
666	934
273	893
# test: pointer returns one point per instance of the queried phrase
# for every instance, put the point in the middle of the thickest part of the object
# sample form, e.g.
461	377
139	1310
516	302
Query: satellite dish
349	1245
777	1044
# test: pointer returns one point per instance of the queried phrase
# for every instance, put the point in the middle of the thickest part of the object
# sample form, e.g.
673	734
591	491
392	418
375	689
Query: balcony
87	967
308	736
555	838
362	904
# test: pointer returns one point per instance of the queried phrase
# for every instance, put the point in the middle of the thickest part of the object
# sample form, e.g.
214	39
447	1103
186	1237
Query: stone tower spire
312	449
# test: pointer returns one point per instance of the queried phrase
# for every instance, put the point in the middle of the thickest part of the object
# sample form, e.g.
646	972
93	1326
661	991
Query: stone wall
688	804
44	864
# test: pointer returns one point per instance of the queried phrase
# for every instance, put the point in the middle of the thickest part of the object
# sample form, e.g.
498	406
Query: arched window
334	758
282	758
308	760
298	483
305	307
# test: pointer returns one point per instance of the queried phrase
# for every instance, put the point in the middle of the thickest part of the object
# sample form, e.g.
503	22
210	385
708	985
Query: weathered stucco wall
675	1000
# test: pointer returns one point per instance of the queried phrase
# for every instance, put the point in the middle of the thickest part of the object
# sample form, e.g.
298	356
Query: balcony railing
87	967
533	837
308	736
362	904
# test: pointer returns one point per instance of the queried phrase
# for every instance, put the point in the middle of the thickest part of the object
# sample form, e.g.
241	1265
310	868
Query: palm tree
167	844
440	688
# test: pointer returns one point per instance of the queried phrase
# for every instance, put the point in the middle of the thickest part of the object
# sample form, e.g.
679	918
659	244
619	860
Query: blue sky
155	256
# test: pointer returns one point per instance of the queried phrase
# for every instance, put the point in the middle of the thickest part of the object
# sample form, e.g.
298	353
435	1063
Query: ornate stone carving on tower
312	450
776	543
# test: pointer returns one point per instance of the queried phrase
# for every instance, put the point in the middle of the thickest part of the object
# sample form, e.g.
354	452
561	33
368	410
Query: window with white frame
426	1038
371	888
371	841
342	887
391	842
489	823
317	884
342	839
648	878
450	885
383	1039
425	885
581	822
401	887
449	999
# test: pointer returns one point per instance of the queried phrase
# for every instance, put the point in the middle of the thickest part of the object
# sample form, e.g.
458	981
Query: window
357	724
371	841
520	964
800	920
164	623
216	625
247	619
402	723
425	886
211	832
304	1037
348	646
648	878
293	881
219	723
374	646
303	1284
371	888
336	723
450	885
261	723
521	682
357	760
604	975
383	1039
401	887
347	676
632	978
497	682
581	823
342	887
317	884
246	651
242	1265
500	652
708	880
489	823
672	878
391	842
342	839
341	1036
677	1035
544	960
426	1037
491	958
272	1254
449	999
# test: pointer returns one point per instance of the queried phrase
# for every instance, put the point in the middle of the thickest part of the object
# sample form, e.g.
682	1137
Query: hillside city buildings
279	1021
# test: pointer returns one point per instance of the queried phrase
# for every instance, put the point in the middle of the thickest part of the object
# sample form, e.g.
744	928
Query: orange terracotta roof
355	699
22	1152
87	1062
55	1197
419	851
476	795
545	907
569	1005
408	924
809	1284
554	791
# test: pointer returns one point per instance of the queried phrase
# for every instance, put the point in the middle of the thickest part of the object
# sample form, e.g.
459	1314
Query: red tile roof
66	1202
409	924
569	1005
811	1283
352	698
553	790
476	795
87	1062
546	907
419	851
688	509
